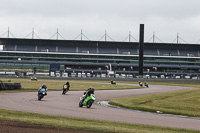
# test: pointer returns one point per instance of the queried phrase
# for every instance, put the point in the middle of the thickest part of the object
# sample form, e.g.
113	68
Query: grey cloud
165	18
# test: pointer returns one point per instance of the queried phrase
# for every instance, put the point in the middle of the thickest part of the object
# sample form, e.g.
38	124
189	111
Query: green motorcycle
88	101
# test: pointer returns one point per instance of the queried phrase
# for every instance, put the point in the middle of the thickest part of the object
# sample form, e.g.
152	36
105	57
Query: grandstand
75	56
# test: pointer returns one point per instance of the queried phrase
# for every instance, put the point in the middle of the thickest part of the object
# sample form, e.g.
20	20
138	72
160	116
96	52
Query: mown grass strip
27	84
185	84
184	102
84	124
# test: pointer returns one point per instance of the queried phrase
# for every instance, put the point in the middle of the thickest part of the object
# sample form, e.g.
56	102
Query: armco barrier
9	86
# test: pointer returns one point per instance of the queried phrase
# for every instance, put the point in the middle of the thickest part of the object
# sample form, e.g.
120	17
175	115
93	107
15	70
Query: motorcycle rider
66	87
44	86
146	84
112	82
88	93
140	84
66	84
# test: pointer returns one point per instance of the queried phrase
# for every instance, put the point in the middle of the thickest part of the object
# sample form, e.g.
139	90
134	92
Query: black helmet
44	86
67	83
92	89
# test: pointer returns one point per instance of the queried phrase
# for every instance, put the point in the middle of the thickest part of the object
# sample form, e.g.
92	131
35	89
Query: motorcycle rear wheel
39	97
89	104
63	92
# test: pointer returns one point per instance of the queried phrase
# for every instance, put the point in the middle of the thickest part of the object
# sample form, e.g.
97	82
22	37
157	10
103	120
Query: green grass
186	84
84	124
76	85
185	102
27	84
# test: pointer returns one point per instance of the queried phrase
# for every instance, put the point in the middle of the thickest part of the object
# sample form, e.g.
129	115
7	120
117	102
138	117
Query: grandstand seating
94	47
188	52
128	51
46	48
168	52
107	51
150	52
169	66
22	48
189	66
10	47
66	49
87	50
157	54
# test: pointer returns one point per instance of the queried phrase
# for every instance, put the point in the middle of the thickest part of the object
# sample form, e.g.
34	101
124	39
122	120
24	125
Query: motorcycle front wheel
89	104
39	97
80	104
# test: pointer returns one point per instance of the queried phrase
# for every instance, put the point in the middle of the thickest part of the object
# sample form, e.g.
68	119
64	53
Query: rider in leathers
88	93
44	86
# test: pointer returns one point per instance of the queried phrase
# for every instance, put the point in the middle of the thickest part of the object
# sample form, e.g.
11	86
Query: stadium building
97	57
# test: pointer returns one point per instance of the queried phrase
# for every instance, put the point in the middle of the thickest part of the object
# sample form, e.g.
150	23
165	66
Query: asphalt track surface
67	105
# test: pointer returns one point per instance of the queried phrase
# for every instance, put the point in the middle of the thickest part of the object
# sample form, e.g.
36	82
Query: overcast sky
165	18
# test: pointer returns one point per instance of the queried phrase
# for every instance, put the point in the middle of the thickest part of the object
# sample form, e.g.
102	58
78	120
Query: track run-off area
67	105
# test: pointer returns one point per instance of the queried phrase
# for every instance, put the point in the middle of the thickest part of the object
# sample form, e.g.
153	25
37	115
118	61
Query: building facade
95	56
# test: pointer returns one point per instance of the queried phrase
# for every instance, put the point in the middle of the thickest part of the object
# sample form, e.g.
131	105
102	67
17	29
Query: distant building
95	56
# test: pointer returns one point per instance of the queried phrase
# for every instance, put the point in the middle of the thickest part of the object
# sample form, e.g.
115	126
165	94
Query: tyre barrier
9	86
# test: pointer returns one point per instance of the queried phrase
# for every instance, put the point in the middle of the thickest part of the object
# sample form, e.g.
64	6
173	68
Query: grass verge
84	124
184	102
185	84
29	85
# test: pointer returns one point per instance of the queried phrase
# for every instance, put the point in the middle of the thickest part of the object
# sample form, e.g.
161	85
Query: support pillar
141	48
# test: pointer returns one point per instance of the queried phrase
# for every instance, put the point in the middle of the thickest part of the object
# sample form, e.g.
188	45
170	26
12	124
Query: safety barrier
9	86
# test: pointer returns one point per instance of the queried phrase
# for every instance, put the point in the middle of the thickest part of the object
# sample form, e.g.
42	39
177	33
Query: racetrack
67	105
